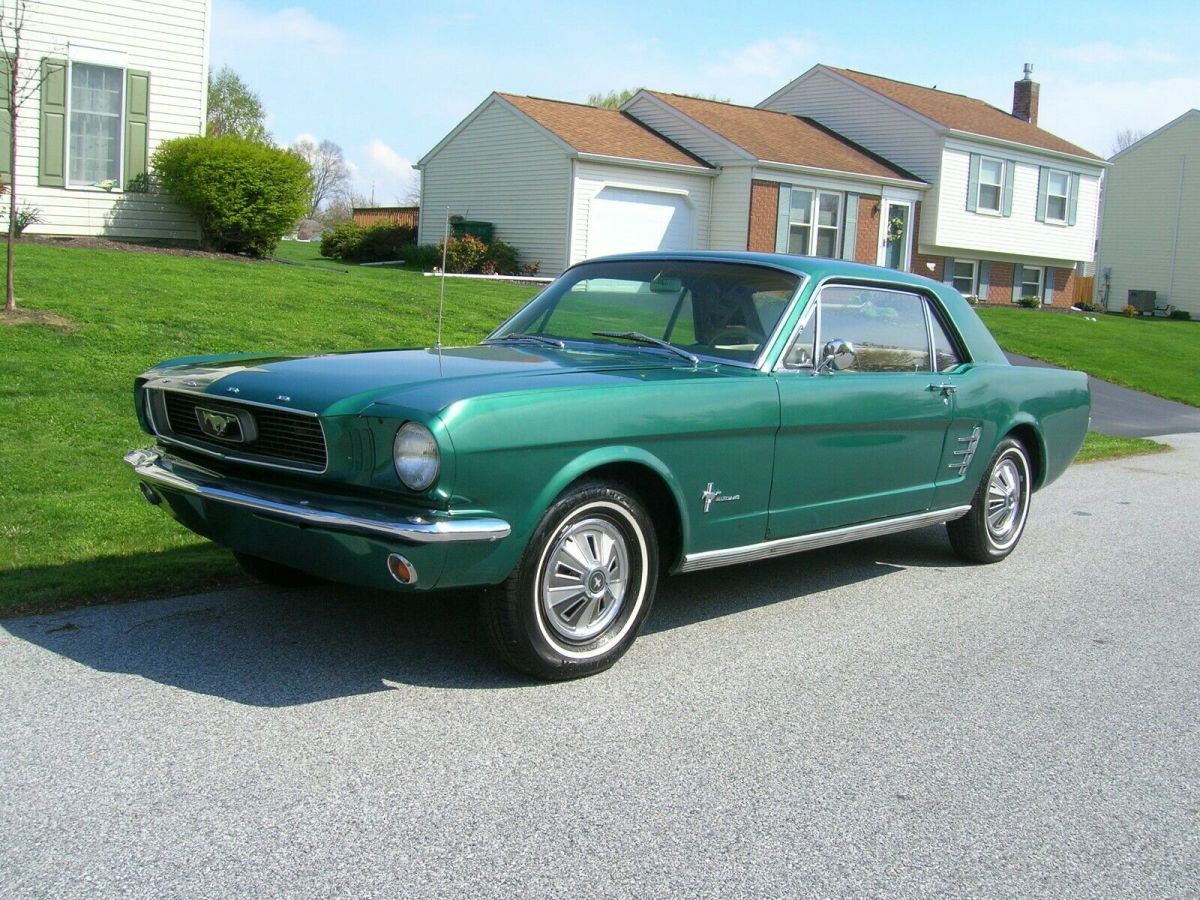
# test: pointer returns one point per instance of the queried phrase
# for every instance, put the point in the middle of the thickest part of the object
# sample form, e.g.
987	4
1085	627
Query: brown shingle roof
778	137
604	132
964	113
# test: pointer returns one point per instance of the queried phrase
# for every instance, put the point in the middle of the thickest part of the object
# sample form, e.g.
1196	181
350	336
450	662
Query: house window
1031	282
1058	188
991	185
814	223
94	142
963	276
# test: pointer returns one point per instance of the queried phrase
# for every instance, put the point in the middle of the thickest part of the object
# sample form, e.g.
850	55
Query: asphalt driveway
1121	411
865	720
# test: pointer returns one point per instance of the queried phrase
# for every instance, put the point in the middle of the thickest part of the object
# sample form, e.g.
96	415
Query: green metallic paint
518	423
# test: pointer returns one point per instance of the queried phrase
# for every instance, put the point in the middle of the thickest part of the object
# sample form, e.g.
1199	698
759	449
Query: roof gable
1191	113
961	113
771	136
602	132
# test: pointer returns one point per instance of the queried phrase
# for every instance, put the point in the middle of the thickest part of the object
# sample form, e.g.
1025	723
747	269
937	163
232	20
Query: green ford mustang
644	414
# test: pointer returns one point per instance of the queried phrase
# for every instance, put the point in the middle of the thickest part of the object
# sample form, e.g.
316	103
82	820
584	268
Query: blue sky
387	81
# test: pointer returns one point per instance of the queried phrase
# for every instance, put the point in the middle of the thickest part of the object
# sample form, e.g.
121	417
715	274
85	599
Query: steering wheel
736	334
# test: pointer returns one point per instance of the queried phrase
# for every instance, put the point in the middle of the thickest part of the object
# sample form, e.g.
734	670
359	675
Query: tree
235	109
617	99
22	84
340	209
1126	137
330	174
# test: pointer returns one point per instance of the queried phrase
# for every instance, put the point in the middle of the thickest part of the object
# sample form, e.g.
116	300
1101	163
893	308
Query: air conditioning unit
1143	301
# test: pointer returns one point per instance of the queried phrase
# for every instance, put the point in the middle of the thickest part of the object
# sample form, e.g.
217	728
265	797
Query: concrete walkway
1119	410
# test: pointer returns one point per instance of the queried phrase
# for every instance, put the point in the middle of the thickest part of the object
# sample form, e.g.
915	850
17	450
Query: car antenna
442	290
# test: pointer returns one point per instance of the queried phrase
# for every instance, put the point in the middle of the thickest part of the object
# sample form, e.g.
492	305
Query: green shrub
374	243
1087	307
464	254
244	194
341	241
1030	302
1181	314
424	257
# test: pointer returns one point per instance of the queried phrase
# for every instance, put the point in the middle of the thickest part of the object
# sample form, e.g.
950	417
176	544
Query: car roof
816	267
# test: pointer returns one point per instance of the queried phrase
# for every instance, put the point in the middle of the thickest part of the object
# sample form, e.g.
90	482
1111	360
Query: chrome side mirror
836	355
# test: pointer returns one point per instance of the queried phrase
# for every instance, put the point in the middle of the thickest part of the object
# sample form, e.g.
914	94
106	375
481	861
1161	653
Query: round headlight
415	454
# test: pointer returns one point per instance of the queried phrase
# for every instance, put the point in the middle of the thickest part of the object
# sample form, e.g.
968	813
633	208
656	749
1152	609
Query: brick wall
1064	288
764	216
1000	279
866	244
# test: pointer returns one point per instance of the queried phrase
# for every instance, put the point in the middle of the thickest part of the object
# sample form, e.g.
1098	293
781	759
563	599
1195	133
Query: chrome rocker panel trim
711	559
157	470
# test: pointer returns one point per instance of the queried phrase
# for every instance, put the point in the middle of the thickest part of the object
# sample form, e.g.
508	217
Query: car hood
427	379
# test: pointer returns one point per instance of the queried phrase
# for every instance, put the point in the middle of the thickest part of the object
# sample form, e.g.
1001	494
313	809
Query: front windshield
709	308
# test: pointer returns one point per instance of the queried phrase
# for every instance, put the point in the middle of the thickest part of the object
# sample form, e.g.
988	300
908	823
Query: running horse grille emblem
220	425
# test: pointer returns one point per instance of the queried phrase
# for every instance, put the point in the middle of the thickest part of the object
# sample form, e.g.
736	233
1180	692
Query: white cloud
1106	53
769	58
1091	112
238	28
383	173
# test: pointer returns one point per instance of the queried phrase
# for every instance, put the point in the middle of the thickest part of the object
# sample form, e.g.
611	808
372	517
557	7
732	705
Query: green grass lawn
1158	356
72	526
1098	447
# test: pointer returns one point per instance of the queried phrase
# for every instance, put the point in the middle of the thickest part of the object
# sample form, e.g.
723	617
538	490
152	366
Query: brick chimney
1025	97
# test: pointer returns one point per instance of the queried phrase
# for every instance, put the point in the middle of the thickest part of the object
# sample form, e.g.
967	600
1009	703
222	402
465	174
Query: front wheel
577	599
992	528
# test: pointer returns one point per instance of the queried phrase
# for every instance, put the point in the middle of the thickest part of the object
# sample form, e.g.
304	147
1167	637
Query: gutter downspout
1175	240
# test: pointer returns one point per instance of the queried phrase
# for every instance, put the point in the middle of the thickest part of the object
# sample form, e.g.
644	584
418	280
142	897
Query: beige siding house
1150	236
836	163
118	77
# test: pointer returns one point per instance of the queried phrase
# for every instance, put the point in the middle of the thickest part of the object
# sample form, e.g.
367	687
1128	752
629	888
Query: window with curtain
814	223
94	145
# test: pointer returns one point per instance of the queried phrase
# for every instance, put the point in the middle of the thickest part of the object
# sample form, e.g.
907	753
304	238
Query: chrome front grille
280	438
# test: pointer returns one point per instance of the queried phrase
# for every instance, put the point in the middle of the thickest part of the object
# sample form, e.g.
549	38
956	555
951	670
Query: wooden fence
1083	289
391	215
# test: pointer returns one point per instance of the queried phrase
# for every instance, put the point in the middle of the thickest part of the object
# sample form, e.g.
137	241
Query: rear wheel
577	599
273	573
996	521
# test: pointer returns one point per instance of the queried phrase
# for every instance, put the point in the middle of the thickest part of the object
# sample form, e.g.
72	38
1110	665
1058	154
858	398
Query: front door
895	234
863	443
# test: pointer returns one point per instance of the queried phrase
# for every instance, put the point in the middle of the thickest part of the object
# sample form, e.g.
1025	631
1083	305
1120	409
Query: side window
945	354
886	327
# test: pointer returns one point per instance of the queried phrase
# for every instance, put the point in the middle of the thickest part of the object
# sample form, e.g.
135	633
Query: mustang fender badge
711	496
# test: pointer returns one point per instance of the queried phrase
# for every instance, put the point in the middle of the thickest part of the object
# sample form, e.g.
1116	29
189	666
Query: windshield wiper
652	341
533	338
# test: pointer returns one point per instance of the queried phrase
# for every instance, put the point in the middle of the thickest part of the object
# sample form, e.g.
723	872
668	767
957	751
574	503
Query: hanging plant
895	229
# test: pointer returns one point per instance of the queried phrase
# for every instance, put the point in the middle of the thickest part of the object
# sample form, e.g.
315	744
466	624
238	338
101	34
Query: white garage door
624	220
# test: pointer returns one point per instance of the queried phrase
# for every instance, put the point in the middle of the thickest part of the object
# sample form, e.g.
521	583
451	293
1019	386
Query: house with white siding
117	77
836	163
1150	232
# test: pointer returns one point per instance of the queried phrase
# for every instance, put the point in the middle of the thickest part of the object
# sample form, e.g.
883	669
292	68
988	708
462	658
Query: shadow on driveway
274	648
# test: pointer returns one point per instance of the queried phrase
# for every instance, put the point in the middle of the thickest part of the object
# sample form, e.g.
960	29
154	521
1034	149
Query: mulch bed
99	243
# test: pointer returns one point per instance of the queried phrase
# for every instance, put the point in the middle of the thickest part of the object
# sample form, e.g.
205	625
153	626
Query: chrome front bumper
159	470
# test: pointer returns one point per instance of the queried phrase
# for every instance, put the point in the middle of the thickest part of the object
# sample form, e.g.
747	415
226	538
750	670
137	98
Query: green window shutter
52	133
1018	275
137	118
1048	285
851	233
1010	171
5	120
781	221
1073	200
948	271
985	272
973	184
1043	187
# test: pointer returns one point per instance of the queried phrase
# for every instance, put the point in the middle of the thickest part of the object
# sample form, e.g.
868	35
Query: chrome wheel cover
584	579
1006	496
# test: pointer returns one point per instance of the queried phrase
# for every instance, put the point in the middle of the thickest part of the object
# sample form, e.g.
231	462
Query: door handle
945	389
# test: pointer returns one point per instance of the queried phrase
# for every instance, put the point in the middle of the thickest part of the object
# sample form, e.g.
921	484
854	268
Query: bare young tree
23	82
330	174
1126	137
